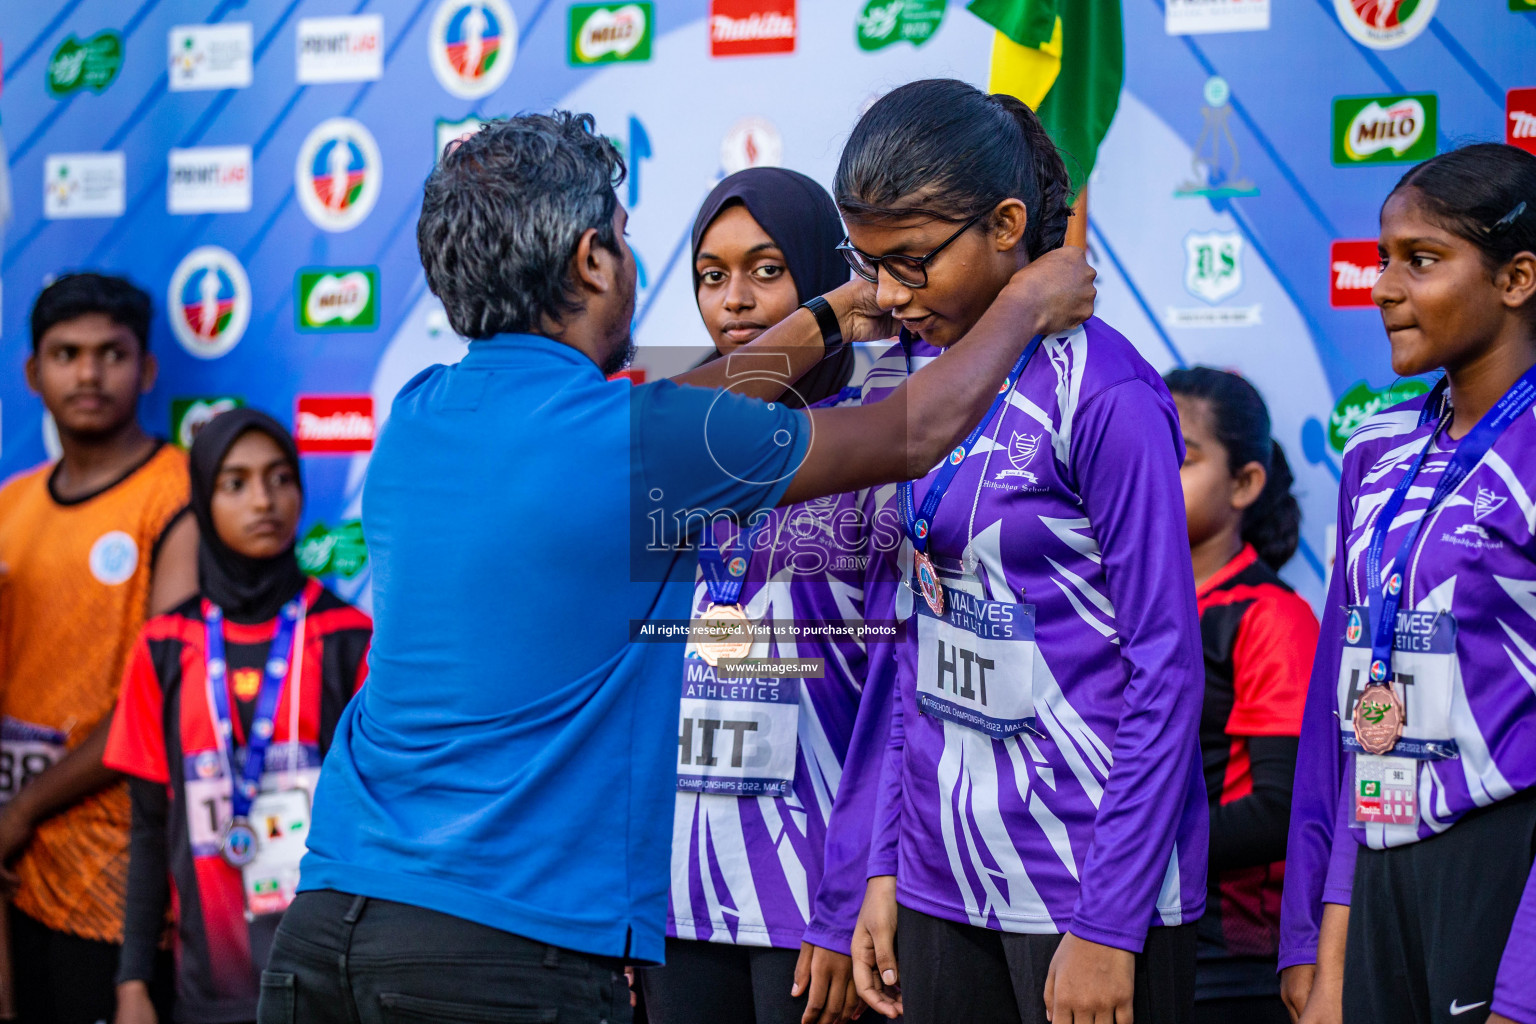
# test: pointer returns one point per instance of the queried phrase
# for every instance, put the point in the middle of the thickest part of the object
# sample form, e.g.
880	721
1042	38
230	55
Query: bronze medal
928	581
729	623
1379	718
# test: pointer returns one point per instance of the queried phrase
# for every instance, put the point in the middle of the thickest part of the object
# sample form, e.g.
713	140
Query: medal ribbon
724	585
919	521
1469	452
244	791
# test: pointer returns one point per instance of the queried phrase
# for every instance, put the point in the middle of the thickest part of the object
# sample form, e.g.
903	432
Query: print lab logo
1384	24
209	301
334	424
1384	129
472	46
209	179
738	27
210	56
1355	265
1191	17
338	299
349	49
607	34
84	185
338	174
1520	119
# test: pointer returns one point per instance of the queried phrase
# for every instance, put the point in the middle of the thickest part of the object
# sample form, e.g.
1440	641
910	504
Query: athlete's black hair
1484	193
1240	421
943	148
77	295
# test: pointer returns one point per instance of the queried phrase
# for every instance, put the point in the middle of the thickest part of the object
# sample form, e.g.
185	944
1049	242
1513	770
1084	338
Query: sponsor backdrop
257	167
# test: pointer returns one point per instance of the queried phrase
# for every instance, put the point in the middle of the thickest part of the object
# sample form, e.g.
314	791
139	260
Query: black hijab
802	220
249	590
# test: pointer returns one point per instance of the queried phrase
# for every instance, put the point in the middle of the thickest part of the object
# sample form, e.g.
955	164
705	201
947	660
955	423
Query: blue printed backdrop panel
281	252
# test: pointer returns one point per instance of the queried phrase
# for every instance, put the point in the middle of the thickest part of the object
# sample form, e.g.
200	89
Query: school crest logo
338	174
1384	24
209	301
1021	452
114	558
472	46
1356	628
1487	503
1213	264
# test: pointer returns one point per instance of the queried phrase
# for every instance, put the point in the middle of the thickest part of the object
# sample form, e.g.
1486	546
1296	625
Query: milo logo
608	33
84	64
1383	129
892	21
1361	402
338	298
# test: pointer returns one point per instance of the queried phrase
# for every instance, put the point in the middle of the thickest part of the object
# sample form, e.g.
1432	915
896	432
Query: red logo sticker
1520	119
739	27
1355	266
325	424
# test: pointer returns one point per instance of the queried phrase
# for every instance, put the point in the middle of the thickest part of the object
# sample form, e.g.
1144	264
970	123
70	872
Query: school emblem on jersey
1356	628
472	45
1487	503
209	301
338	174
1021	452
1213	264
1384	24
246	683
114	558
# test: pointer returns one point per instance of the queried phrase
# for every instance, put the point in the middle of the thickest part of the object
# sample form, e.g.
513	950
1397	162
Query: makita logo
1356	265
1520	126
723	29
751	26
334	424
338	426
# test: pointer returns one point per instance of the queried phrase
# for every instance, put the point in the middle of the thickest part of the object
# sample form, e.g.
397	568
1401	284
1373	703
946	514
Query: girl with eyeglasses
1409	892
1041	826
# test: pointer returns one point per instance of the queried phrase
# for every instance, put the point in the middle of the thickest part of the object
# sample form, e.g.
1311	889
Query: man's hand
16	828
1295	987
134	1005
874	948
1089	983
1325	997
858	314
828	976
1058	287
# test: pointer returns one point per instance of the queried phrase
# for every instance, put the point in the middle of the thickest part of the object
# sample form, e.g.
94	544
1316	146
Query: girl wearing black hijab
750	937
228	704
765	241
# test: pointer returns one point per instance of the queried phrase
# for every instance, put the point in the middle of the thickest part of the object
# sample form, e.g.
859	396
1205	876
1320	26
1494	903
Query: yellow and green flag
1066	60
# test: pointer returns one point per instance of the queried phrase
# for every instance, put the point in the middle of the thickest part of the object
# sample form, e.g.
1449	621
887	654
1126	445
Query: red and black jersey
1259	638
163	735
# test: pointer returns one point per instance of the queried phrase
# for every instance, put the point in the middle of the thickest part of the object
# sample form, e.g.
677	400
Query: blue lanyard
1469	452
919	521
723	577
244	792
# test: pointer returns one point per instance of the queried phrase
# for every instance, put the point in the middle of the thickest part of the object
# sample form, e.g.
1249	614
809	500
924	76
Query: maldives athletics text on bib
736	736
976	663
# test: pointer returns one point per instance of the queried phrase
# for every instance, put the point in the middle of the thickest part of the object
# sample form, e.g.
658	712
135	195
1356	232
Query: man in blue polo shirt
491	830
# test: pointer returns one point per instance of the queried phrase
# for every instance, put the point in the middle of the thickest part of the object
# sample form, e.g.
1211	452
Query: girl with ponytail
1039	826
1258	636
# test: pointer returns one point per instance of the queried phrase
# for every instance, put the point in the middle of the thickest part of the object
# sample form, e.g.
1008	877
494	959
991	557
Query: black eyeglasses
911	271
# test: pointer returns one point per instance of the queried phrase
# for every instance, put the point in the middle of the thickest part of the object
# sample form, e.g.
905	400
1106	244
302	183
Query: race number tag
281	822
1424	670
976	663
26	751
736	736
1385	790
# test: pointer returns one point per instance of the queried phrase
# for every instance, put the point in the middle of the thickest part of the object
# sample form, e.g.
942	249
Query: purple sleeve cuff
1514	991
836	939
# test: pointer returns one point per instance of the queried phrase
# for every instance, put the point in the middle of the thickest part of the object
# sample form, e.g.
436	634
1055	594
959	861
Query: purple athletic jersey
745	868
1069	502
1476	559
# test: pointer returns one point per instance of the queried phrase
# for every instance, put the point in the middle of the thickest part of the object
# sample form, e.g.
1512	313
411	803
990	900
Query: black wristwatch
831	330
